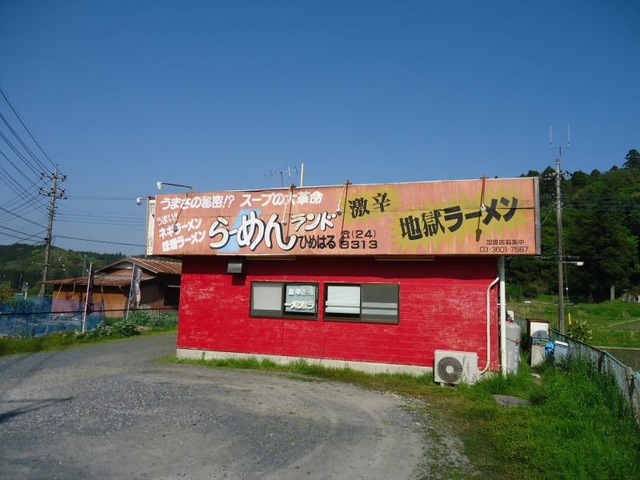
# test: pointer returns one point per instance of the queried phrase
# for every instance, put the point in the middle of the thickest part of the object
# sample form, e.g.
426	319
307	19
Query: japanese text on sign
422	218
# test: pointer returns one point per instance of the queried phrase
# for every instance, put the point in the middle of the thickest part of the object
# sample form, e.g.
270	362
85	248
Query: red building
389	277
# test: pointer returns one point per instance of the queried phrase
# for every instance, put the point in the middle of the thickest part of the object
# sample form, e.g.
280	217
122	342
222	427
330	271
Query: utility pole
53	193
560	249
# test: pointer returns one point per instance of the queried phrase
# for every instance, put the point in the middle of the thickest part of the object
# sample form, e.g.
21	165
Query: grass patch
63	340
54	341
614	324
107	329
577	425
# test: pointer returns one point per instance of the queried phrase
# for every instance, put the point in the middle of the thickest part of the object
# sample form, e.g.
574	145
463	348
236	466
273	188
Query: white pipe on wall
503	317
491	285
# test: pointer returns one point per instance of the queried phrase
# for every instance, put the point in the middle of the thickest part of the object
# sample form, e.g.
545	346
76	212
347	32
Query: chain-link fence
627	380
34	318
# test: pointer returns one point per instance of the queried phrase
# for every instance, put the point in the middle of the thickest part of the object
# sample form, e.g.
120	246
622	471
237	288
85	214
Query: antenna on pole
289	171
560	254
558	146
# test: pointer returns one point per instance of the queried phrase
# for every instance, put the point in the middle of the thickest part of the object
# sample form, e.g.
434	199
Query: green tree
579	180
601	222
632	159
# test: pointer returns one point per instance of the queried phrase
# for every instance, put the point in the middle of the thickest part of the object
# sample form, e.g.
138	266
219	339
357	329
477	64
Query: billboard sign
462	217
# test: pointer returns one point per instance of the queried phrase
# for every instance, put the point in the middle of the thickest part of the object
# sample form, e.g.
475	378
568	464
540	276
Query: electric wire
99	222
100	198
75	215
25	174
20	156
100	241
28	131
22	239
22	218
22	233
19	170
24	145
27	198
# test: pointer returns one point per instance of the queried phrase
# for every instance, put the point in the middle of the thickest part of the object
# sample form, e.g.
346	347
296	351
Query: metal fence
627	380
35	318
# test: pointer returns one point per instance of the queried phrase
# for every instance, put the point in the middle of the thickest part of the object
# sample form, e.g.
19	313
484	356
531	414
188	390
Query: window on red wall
366	302
284	300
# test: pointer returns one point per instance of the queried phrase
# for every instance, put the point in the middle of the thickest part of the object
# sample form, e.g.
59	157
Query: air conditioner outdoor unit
451	367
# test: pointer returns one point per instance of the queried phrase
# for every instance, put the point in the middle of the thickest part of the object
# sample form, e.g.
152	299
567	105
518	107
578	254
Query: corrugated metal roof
150	267
153	265
100	280
158	266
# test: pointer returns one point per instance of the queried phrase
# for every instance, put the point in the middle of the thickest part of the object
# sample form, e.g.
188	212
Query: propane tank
513	347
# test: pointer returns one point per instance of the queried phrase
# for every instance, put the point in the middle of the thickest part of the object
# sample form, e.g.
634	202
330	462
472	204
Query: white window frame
350	302
269	299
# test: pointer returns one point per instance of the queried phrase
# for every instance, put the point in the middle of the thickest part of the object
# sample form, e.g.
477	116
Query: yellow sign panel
465	217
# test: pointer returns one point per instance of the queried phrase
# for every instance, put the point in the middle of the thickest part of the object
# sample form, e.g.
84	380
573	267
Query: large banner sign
466	217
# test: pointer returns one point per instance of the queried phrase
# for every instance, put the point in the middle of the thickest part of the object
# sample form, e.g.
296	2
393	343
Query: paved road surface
106	411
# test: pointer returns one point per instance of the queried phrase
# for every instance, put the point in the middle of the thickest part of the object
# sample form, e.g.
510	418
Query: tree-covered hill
22	264
601	227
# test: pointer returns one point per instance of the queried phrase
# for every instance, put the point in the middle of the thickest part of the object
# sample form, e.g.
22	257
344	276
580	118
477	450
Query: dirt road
107	411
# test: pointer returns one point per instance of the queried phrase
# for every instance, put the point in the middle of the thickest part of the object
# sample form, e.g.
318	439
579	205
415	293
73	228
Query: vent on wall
451	367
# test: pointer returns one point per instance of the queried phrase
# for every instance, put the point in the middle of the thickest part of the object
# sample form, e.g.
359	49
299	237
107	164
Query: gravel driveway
107	411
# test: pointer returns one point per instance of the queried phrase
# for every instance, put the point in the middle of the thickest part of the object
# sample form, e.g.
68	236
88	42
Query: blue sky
215	94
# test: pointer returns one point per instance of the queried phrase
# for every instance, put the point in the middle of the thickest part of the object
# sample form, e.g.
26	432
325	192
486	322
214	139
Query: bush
579	329
146	317
118	329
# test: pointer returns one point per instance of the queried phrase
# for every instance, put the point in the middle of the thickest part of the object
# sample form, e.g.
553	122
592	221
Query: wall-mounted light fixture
181	185
236	265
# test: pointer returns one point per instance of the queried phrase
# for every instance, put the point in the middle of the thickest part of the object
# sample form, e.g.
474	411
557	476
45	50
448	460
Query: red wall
442	306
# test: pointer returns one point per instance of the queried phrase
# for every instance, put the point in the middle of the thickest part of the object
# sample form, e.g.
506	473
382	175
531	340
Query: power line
100	241
23	239
22	142
100	197
71	214
17	231
22	218
55	167
88	220
19	155
21	193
